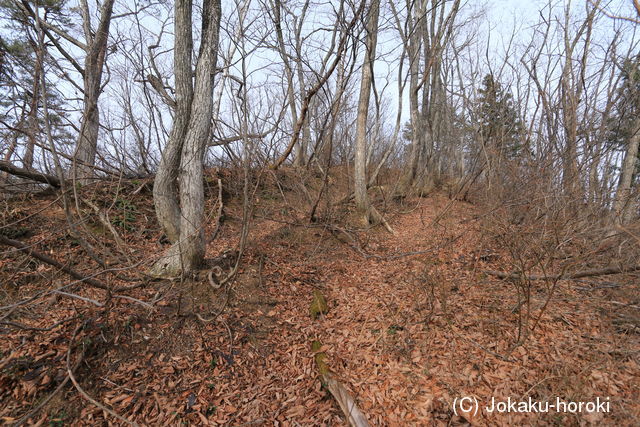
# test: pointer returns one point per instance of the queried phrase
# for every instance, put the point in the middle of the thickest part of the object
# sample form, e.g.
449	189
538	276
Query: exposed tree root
378	218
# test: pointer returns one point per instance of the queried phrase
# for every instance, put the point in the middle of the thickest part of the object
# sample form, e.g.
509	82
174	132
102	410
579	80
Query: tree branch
48	260
311	93
565	276
157	84
29	174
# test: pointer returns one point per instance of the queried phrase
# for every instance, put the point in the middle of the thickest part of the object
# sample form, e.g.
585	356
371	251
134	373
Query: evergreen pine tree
500	125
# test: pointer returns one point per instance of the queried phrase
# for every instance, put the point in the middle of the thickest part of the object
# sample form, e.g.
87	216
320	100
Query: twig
81	298
44	258
116	385
31	328
84	393
624	304
144	304
596	285
46	400
43	402
566	276
220	209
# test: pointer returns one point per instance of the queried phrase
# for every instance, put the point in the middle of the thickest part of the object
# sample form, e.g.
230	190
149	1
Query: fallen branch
637	307
84	393
29	174
31	328
377	217
346	402
104	219
46	259
566	276
81	298
46	400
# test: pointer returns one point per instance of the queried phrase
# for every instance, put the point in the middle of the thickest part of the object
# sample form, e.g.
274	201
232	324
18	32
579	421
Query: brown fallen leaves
405	336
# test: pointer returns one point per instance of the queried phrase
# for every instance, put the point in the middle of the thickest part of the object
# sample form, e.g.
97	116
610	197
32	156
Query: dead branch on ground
566	276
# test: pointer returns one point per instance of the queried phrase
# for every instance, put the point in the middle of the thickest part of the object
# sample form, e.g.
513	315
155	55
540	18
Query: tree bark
622	206
86	148
360	173
187	253
165	185
32	119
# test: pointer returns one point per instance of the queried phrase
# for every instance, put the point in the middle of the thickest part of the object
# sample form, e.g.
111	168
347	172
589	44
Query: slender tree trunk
303	145
32	119
86	147
187	253
165	185
570	176
595	196
277	21
360	177
4	175
327	145
622	206
414	112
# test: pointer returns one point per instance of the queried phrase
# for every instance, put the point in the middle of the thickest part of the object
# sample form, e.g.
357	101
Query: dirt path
405	334
411	334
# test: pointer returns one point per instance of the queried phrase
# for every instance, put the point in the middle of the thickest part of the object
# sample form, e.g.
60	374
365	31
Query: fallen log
346	402
48	260
566	276
30	174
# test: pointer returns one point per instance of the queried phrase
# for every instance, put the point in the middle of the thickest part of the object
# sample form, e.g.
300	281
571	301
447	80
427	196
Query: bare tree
629	101
425	35
178	187
360	174
623	206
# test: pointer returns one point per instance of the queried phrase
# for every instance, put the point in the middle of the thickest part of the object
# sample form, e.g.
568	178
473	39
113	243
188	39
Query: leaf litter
406	335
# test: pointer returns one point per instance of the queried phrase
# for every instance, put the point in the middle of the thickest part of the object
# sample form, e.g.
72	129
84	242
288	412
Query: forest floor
413	323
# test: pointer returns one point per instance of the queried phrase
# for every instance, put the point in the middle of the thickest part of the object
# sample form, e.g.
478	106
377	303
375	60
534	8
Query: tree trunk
413	48
86	148
187	253
277	21
32	119
165	185
303	145
622	206
326	150
360	178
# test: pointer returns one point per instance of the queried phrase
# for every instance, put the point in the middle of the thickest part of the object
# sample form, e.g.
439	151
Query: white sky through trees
494	34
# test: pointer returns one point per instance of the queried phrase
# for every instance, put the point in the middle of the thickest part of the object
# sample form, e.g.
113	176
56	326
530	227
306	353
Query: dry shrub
543	232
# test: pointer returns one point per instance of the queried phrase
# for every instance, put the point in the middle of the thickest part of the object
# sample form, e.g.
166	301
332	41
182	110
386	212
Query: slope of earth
413	324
